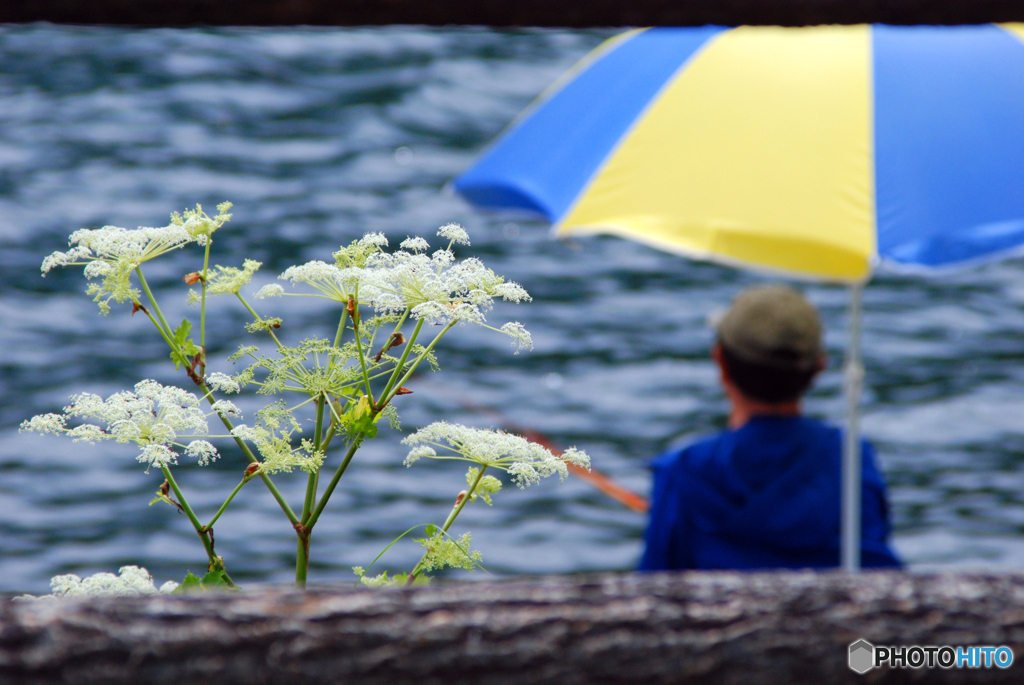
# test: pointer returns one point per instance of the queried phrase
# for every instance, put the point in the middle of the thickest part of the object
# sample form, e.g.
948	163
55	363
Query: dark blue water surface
319	136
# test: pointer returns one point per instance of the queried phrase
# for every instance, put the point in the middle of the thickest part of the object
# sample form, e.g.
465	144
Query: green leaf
431	530
189	584
215	579
181	334
361	420
184	343
189	349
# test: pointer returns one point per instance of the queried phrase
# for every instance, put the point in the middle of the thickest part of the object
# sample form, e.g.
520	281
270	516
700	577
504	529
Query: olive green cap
772	326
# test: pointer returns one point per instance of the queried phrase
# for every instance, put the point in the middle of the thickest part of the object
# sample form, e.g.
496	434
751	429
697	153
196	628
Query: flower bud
395	340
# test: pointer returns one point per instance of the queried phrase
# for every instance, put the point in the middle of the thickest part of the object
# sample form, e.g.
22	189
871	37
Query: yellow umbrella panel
734	163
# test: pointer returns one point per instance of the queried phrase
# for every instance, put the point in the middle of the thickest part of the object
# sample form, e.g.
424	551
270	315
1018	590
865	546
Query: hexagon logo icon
862	656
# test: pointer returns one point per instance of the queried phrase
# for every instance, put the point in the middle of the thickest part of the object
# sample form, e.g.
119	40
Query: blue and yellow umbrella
814	152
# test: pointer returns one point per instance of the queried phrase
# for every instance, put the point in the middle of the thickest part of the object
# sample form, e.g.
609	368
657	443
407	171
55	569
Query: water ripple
321	135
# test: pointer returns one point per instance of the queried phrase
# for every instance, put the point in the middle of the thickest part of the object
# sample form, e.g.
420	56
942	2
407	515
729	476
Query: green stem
257	317
301	561
456	510
252	458
307	506
165	331
328	436
362	359
152	300
315	516
401	362
305	529
426	353
215	562
223	507
170	343
341	330
202	311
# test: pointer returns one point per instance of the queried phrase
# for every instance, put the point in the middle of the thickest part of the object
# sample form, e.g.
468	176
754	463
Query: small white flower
89	433
276	451
153	416
527	462
133	581
521	337
374	239
512	292
416	244
271	290
576	458
524	474
222	382
158	456
245	432
202	451
226	408
44	423
418	452
228	280
454	233
72	256
112	253
335	283
97	269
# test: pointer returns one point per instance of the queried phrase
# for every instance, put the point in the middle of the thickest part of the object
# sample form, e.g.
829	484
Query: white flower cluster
434	287
228	280
333	282
276	450
443	551
271	290
222	382
226	408
527	462
454	233
112	253
133	581
153	417
520	336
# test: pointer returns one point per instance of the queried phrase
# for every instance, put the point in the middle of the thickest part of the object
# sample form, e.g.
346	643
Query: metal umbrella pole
851	495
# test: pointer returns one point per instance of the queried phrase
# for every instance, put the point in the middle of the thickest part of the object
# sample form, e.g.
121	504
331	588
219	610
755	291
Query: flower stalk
406	288
460	503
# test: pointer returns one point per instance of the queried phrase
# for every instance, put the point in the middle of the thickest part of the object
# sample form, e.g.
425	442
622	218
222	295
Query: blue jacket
766	495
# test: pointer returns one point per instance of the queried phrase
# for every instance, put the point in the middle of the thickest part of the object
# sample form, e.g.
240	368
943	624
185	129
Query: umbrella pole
851	477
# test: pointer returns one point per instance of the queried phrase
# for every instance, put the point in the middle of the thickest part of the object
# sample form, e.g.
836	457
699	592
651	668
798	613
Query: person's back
766	493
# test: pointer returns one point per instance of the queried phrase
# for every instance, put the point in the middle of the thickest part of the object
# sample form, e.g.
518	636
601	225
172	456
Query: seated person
766	492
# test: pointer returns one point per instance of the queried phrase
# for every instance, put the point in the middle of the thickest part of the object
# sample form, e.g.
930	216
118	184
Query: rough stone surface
708	628
510	12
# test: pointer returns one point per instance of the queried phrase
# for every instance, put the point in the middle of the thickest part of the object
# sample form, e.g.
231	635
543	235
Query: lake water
318	136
